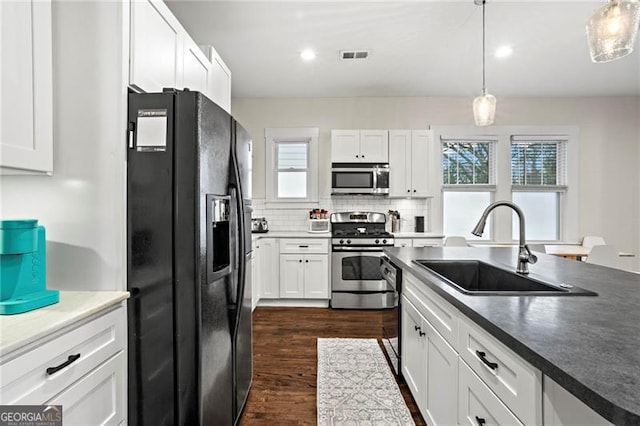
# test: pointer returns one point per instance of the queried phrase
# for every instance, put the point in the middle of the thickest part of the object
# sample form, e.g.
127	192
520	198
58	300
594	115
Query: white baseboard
295	303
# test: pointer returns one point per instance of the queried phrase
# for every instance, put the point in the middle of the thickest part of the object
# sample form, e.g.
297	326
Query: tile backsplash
287	219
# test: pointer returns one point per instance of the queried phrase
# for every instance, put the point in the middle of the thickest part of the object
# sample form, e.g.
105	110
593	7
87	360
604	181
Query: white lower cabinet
83	369
267	273
413	352
457	372
430	368
304	276
477	405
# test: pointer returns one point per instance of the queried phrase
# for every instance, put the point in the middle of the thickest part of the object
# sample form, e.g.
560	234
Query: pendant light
612	30
484	106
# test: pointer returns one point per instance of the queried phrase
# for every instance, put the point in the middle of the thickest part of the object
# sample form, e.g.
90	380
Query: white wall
82	205
609	142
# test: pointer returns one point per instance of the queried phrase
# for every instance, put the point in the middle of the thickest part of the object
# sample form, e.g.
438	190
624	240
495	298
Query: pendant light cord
484	86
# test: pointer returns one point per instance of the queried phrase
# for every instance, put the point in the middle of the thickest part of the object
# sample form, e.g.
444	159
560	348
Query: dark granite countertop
589	345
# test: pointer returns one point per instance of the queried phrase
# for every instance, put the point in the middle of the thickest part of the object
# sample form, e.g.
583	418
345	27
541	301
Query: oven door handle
367	249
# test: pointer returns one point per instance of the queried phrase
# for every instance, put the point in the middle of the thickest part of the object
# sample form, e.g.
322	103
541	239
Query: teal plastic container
18	236
23	267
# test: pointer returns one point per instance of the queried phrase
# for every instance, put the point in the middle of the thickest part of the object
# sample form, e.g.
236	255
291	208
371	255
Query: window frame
501	223
276	136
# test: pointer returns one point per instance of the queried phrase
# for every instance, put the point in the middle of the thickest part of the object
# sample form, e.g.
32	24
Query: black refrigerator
188	254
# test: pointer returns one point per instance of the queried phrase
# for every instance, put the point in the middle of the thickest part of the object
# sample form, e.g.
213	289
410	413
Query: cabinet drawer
294	246
427	242
402	242
476	402
25	379
514	381
442	316
96	399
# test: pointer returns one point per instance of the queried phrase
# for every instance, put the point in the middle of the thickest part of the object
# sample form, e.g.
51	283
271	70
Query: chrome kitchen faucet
524	255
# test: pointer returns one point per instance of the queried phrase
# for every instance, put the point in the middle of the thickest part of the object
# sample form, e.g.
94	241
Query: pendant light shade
484	109
612	30
484	106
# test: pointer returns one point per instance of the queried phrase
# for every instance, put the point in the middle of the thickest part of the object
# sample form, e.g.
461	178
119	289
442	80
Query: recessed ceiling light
308	55
504	51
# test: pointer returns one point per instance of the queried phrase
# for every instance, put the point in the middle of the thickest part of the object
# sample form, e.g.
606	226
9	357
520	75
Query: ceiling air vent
349	55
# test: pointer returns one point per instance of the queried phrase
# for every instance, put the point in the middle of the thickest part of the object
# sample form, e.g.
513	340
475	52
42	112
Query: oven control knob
348	241
377	241
384	241
341	241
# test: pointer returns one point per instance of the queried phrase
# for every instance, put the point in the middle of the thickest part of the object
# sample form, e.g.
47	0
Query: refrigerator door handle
241	247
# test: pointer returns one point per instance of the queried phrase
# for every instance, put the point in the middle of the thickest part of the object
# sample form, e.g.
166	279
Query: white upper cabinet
26	104
196	74
408	167
345	146
156	47
359	146
374	146
163	55
220	90
399	152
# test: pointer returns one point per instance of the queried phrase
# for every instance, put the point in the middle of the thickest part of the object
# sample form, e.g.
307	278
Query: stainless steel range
358	239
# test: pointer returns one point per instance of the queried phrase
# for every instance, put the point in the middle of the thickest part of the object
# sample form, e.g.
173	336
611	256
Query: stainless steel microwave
355	178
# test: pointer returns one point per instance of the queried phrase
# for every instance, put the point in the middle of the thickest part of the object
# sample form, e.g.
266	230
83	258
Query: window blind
292	156
538	163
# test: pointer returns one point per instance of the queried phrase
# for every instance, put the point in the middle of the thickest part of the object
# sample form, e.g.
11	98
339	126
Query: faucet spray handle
532	257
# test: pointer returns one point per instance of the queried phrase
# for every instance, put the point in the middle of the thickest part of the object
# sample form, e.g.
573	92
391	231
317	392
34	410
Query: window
538	177
292	169
466	163
536	167
467	177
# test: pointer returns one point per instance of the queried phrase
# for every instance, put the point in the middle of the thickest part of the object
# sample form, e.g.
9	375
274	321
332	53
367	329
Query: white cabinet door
345	146
291	276
374	146
268	274
220	81
418	163
255	266
156	47
98	398
399	173
441	390
316	276
26	104
413	352
196	68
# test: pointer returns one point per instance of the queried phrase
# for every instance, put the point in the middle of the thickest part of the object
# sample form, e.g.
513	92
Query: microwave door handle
375	180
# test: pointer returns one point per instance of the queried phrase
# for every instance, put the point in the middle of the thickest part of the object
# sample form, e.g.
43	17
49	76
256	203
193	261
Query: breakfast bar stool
603	255
593	240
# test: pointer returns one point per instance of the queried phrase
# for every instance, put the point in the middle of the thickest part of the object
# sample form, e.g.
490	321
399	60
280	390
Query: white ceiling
418	48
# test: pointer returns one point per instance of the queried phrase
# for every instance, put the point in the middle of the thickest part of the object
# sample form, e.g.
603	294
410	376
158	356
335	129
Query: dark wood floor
285	361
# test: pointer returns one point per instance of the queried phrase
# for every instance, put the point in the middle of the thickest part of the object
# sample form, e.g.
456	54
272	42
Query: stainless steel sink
479	278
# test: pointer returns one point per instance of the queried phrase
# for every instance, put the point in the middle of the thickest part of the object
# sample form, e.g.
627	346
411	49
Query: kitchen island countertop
590	345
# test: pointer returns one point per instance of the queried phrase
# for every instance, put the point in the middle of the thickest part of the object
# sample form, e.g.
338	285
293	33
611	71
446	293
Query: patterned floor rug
356	386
